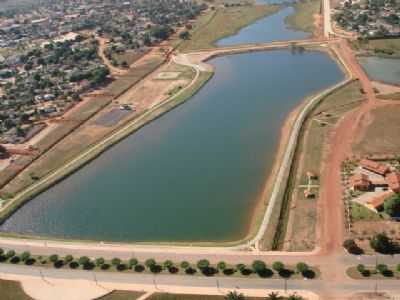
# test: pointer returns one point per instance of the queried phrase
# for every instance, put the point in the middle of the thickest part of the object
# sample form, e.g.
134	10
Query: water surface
268	29
194	174
382	69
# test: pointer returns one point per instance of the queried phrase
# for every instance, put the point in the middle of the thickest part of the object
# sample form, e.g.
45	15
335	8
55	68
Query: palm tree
234	296
273	296
295	297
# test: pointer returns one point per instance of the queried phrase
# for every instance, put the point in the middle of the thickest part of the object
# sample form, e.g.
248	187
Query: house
393	180
374	167
360	182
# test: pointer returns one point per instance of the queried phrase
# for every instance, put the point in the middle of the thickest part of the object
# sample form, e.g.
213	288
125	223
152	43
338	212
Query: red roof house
393	180
360	182
375	167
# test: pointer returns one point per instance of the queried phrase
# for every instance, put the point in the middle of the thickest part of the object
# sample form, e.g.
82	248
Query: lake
194	174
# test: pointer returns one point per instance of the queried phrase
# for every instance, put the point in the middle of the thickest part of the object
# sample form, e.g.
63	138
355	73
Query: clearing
12	290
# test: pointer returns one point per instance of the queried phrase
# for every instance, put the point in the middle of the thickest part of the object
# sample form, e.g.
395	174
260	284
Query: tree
10	253
381	243
83	260
381	268
302	267
99	261
185	265
278	266
25	255
68	258
258	266
221	265
184	35
203	264
351	246
150	262
168	264
361	268
234	296
273	296
133	262
295	297
53	258
392	205
116	261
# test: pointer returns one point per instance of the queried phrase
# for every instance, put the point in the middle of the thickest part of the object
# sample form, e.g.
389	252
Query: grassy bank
222	22
309	158
303	18
380	47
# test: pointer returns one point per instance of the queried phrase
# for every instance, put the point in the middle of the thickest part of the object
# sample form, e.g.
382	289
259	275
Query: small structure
311	176
393	180
309	194
375	167
360	182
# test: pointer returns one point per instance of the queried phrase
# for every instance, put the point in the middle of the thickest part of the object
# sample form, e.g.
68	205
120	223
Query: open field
381	133
360	212
303	19
222	22
380	47
159	296
12	290
300	226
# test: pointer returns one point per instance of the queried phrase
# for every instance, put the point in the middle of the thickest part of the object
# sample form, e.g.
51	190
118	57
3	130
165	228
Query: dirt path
340	148
102	47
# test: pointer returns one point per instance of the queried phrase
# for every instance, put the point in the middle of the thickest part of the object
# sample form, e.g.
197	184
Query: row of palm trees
271	296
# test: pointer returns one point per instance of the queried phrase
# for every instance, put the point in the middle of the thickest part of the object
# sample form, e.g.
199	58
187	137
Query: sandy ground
386	88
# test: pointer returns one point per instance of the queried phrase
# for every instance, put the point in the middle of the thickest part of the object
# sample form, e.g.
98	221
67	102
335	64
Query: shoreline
256	214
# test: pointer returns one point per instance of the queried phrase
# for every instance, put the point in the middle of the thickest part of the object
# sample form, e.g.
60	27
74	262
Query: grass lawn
303	19
122	295
12	290
309	157
359	212
381	47
222	22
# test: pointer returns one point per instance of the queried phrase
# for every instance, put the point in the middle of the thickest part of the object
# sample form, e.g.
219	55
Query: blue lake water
194	174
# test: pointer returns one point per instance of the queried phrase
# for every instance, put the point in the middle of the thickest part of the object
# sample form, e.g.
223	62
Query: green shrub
132	262
221	265
25	255
116	261
83	260
278	266
53	258
203	263
99	261
185	265
258	266
150	262
68	258
302	267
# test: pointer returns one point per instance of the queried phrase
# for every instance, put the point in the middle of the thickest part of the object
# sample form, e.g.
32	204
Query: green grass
381	47
303	18
122	295
361	213
224	21
12	290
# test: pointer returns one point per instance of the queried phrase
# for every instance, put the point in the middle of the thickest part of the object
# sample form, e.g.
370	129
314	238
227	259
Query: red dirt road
332	230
